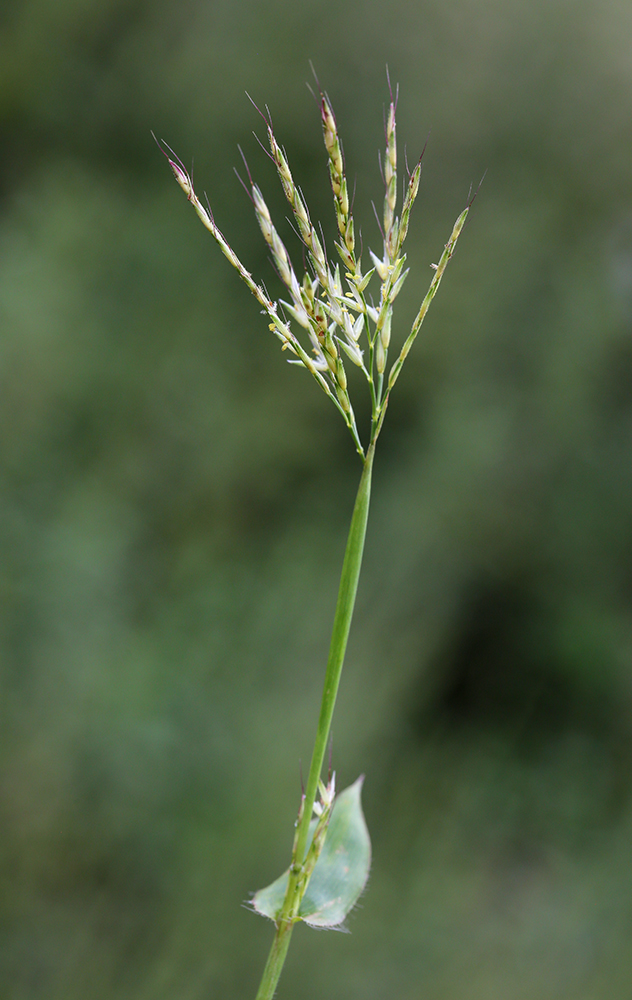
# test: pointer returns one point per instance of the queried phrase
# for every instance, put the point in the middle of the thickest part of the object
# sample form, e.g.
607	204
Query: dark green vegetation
175	500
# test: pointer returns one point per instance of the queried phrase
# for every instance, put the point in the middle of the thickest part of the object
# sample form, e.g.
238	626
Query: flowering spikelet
409	199
390	180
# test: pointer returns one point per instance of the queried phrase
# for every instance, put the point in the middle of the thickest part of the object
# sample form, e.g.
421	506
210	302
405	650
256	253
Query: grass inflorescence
336	318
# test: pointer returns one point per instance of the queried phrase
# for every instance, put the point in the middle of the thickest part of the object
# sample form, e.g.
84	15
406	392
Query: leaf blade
341	871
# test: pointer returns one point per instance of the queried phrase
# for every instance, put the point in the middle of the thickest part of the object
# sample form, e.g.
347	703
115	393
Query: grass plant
331	317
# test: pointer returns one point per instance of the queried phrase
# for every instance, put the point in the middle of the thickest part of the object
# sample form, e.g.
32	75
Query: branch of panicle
324	365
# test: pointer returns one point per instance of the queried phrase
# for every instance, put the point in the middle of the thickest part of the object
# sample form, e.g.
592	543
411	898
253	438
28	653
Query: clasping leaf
340	873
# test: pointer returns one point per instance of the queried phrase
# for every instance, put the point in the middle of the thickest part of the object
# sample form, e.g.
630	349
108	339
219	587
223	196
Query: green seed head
335	314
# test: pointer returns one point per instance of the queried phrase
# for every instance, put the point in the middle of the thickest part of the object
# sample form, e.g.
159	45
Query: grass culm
334	315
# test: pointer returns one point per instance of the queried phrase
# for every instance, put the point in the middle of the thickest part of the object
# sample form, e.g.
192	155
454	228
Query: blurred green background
175	501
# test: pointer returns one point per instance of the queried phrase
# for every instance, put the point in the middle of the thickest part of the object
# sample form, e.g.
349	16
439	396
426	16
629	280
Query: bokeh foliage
175	500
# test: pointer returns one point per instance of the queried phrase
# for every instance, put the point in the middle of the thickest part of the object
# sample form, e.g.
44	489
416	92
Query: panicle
334	312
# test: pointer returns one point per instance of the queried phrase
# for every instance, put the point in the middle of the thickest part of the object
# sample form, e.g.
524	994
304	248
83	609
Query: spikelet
390	181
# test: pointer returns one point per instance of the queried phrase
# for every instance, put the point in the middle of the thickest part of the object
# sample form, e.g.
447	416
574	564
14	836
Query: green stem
276	960
297	883
340	633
